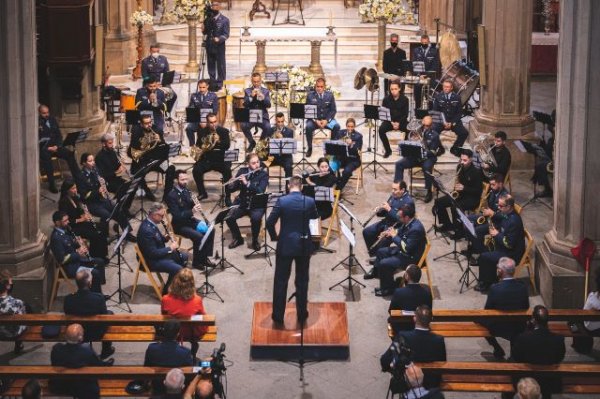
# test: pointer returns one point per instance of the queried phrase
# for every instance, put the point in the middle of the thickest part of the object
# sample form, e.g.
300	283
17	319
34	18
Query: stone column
315	58
451	12
21	242
505	97
119	39
577	165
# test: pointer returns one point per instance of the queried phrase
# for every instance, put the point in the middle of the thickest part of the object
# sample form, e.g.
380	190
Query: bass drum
222	99
464	78
127	101
238	102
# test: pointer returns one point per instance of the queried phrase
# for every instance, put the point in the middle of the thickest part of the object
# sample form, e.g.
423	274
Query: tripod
303	161
221	201
438	187
118	251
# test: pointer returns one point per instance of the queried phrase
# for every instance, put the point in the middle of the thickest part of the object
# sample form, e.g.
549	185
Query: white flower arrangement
140	18
184	9
300	82
388	10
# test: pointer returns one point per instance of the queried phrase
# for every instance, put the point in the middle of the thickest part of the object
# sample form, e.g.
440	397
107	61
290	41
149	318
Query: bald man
74	354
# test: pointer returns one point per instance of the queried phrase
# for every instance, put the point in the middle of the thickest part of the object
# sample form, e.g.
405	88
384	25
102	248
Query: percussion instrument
222	99
127	101
238	102
463	78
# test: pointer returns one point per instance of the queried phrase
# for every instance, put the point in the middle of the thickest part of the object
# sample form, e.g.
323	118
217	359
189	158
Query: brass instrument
455	194
148	141
376	210
197	203
489	239
262	148
169	235
483	148
483	219
208	143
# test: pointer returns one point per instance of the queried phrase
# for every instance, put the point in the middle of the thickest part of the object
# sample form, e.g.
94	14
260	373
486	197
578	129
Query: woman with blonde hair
183	302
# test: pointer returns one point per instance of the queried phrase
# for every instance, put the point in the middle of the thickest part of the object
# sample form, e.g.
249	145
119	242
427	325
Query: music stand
192	115
408	66
303	112
220	219
207	288
279	147
320	194
372	112
136	179
132	117
439	186
75	138
279	78
524	146
417	67
117	250
261	201
167	78
455	255
350	261
465	279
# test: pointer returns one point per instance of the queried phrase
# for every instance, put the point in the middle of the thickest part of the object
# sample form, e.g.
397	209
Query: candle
330	18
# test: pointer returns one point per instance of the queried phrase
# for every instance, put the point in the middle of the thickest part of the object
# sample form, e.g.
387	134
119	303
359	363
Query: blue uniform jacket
511	237
450	106
429	56
295	210
220	29
326	108
142	103
87	303
432	142
88	185
203	101
410	240
492	203
48	132
357	144
154	67
391	216
151	242
508	294
180	205
251	102
258	183
63	246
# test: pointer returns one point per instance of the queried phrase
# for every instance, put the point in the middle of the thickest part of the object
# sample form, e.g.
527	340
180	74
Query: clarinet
169	237
91	220
81	244
197	202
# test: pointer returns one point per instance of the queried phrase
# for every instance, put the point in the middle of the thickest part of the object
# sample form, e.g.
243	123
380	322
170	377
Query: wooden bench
583	378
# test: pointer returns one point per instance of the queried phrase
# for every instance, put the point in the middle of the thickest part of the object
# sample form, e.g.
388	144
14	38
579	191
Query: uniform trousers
385	127
461	133
286	162
216	65
311	126
351	165
62	153
371	233
426	166
388	260
97	238
442	204
170	264
203	166
199	256
250	128
283	266
255	221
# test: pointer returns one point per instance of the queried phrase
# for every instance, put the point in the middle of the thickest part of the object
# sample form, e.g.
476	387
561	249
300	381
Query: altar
315	36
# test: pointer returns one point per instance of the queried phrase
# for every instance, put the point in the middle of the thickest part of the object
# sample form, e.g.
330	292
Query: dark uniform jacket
392	61
88	185
180	205
218	28
108	163
49	133
154	67
218	153
252	102
408	298
450	105
508	294
151	242
75	356
63	247
503	159
511	237
166	354
492	203
398	109
74	212
326	108
295	210
204	101
137	132
429	56
356	147
143	103
432	142
470	178
410	240
391	216
87	303
257	184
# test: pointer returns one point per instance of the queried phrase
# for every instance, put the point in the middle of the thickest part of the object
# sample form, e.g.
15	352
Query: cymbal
371	80
359	78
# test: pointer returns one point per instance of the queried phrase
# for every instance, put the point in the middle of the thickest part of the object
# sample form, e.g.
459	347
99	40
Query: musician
72	255
81	220
293	244
324	178
51	144
430	141
112	169
509	240
256	97
286	161
149	98
469	187
250	180
431	57
201	99
326	110
95	194
148	133
497	189
213	159
182	207
449	103
156	65
354	141
388	211
397	103
501	154
409	240
392	60
216	29
159	257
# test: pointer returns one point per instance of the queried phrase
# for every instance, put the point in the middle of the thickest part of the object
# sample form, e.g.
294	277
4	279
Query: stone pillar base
25	258
34	288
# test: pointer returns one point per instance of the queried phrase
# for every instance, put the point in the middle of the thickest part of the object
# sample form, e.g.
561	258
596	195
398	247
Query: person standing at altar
392	60
216	29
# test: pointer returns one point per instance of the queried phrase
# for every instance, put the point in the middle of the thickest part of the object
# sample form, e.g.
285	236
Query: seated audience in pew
173	385
409	296
528	388
31	390
10	305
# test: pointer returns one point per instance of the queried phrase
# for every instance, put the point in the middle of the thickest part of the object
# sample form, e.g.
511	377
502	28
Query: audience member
508	294
414	377
584	343
10	306
410	296
85	302
528	388
201	387
182	301
174	384
31	389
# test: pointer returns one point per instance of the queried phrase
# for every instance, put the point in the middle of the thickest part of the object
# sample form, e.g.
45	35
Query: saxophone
148	141
209	142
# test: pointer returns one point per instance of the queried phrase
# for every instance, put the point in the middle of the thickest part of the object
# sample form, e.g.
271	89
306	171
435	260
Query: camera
217	368
394	361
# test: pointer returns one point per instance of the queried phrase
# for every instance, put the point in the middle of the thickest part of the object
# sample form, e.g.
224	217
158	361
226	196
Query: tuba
148	141
209	142
484	149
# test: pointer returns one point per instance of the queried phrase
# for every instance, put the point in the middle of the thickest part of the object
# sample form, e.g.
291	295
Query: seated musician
468	186
202	99
81	220
249	180
324	178
216	141
160	257
72	253
144	137
508	237
155	65
397	103
430	141
388	211
409	243
112	169
256	97
326	110
51	144
150	98
280	130
501	156
354	141
489	212
449	103
94	193
182	208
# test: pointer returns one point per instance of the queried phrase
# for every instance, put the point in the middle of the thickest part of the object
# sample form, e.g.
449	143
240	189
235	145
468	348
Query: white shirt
592	303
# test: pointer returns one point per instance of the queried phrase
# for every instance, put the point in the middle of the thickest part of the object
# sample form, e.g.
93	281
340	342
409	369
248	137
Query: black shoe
308	153
302	318
131	238
277	323
482	287
387	153
209	263
428	197
455	151
202	196
236	243
149	196
228	202
109	362
52	188
445	227
370	274
457	235
106	297
128	215
474	262
18	347
255	246
499	353
383	292
107	353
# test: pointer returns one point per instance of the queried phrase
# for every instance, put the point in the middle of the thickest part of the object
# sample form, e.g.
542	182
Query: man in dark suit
508	294
74	354
425	346
409	297
538	345
160	258
182	207
216	29
167	353
449	103
293	244
258	98
501	156
156	65
252	180
326	110
87	303
392	60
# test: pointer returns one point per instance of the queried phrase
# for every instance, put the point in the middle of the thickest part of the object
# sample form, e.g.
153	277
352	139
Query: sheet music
324	193
520	145
256	115
466	222
203	113
384	114
232	155
313	225
310	111
418	66
348	233
283	146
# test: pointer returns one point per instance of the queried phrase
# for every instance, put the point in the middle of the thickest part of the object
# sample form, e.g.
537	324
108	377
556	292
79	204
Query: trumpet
376	210
455	194
246	175
196	204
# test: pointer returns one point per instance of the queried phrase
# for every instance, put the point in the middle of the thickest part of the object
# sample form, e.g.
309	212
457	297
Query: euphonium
148	141
262	148
455	194
208	143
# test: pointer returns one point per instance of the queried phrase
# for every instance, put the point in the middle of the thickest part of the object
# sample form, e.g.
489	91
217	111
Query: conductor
293	244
